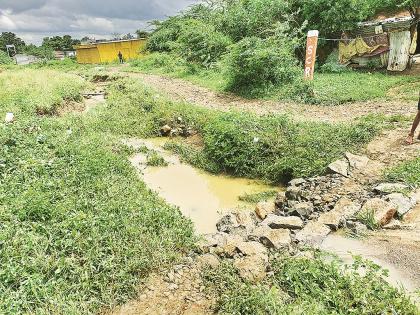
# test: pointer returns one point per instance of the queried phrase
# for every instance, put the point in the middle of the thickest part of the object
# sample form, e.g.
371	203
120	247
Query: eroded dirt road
181	90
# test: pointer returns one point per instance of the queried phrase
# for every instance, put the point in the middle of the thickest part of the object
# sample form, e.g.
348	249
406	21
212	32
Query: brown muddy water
201	196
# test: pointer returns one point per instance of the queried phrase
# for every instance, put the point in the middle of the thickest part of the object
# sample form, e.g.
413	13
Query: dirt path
182	90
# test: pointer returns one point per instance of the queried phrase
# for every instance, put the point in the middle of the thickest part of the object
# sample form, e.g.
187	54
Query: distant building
62	54
107	51
391	42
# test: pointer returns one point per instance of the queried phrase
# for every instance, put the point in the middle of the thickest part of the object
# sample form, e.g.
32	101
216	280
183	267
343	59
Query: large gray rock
252	268
229	247
251	248
302	209
313	234
340	167
389	188
278	222
277	239
293	193
357	161
297	182
210	241
383	211
401	202
337	217
208	260
263	209
239	223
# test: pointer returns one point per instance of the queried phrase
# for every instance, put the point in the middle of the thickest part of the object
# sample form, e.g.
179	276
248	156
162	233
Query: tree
142	34
127	36
60	43
9	38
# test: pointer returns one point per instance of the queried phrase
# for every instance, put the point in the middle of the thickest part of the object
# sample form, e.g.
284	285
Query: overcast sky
33	20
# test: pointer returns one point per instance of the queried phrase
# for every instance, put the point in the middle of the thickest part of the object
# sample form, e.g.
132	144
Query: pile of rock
177	128
304	214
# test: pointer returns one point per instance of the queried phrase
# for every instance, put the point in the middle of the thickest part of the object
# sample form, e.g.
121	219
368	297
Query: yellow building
108	51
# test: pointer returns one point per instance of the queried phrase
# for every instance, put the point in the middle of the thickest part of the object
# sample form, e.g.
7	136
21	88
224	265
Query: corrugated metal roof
388	25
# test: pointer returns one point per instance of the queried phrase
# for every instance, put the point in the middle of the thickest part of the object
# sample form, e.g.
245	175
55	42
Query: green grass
78	230
407	172
308	286
257	197
154	159
329	88
43	92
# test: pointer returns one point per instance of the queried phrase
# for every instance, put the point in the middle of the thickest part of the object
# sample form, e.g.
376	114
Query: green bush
164	38
201	43
248	18
5	59
332	64
277	148
259	64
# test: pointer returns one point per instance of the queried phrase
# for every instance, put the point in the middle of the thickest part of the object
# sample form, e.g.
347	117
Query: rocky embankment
305	214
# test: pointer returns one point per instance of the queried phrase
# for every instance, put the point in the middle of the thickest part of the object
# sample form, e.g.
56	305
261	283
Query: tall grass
29	91
78	229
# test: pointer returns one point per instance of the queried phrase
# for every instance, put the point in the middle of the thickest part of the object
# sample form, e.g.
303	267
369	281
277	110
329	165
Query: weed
154	159
367	217
257	197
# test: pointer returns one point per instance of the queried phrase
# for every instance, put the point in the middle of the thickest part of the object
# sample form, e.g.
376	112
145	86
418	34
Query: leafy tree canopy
9	38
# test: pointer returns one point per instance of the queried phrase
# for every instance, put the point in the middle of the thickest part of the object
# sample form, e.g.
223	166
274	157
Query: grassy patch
407	172
154	159
78	230
43	92
309	286
257	197
331	88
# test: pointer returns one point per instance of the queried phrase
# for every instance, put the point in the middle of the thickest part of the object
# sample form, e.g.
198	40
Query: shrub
255	63
201	43
4	58
164	38
332	64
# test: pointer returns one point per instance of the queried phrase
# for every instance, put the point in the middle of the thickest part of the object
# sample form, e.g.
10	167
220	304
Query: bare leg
410	139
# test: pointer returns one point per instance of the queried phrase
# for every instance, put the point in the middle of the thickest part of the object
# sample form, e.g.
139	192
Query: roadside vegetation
78	230
310	286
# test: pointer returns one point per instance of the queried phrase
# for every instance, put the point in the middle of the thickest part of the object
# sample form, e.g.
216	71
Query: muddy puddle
201	196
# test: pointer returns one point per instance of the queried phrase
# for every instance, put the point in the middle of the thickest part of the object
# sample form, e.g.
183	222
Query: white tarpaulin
399	43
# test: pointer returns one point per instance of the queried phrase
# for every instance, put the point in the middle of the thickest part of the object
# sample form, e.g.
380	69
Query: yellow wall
108	52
